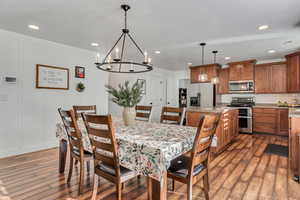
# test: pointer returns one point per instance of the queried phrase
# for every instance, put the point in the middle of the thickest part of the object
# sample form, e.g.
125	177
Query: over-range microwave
241	86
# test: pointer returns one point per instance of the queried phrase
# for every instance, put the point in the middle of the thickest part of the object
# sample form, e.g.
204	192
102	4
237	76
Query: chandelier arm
137	46
125	19
113	47
122	51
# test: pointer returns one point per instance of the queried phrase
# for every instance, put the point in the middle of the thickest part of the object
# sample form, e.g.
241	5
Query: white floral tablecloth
146	148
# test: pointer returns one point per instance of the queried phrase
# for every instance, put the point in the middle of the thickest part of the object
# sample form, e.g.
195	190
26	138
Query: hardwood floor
243	171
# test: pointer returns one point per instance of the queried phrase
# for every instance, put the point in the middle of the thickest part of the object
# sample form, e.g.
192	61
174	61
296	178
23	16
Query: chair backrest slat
72	129
102	135
143	112
205	132
89	109
172	114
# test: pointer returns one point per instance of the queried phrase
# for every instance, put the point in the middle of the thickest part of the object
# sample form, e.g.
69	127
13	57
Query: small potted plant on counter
127	97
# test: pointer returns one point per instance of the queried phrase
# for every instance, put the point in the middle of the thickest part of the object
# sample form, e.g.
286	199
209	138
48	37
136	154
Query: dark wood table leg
157	190
63	149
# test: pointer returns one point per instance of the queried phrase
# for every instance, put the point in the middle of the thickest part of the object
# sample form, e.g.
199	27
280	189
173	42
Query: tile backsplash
263	98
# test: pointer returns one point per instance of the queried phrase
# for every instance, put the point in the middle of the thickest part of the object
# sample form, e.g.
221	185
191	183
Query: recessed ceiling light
157	52
227	58
271	51
263	27
34	27
94	44
189	64
288	42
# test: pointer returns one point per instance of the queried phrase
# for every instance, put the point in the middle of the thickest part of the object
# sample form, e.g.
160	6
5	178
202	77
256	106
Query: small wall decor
80	87
142	81
79	72
50	77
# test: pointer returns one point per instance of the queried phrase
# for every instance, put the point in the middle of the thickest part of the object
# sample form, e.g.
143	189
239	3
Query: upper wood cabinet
271	78
222	87
211	71
241	71
293	72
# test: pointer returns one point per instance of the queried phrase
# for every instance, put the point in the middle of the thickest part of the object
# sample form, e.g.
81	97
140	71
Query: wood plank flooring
243	171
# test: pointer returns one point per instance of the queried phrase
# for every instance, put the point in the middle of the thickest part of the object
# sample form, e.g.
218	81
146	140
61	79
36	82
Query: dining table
145	147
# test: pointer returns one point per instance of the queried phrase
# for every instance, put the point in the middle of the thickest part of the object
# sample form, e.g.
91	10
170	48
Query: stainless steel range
244	105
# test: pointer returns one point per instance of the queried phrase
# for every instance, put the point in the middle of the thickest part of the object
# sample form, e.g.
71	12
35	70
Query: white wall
28	115
153	89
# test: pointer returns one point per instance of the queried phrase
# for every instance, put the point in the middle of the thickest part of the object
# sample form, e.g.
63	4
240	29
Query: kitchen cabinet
283	121
241	71
293	72
270	120
262	79
222	87
264	120
211	71
294	130
271	78
226	131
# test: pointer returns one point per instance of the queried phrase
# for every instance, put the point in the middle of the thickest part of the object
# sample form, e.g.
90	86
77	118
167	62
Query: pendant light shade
203	76
215	80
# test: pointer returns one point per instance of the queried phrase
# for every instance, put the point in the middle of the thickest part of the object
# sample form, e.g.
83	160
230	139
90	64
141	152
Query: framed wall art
79	72
50	77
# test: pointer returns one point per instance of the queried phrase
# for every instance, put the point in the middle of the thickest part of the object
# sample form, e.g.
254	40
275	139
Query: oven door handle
245	117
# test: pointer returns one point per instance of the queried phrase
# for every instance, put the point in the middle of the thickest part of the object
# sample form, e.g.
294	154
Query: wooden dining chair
193	166
143	113
105	152
172	115
90	109
77	152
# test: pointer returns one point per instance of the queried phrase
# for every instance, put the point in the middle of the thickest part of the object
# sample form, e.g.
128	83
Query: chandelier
120	65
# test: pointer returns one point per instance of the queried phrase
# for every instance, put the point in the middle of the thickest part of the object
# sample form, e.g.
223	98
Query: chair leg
190	191
95	187
173	185
119	191
81	177
123	186
70	169
206	186
76	162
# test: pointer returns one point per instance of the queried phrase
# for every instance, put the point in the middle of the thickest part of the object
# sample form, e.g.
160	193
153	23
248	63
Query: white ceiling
175	27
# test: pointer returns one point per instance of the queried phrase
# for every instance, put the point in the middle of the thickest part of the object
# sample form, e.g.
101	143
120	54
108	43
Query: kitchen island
294	141
227	129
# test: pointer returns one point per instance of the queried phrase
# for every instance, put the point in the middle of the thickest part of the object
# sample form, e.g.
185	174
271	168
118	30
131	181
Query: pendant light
215	80
202	77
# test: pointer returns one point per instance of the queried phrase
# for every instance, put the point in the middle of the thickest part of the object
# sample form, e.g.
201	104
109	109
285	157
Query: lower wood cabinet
226	131
294	145
271	120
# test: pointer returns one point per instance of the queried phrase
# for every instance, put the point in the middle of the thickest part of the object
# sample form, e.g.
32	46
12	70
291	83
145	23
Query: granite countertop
294	112
264	105
217	109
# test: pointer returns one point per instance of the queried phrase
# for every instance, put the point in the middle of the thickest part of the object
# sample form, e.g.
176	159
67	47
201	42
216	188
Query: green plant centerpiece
127	97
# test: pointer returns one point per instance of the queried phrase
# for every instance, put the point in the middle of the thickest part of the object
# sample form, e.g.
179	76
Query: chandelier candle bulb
97	57
146	56
117	53
109	59
131	67
149	60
